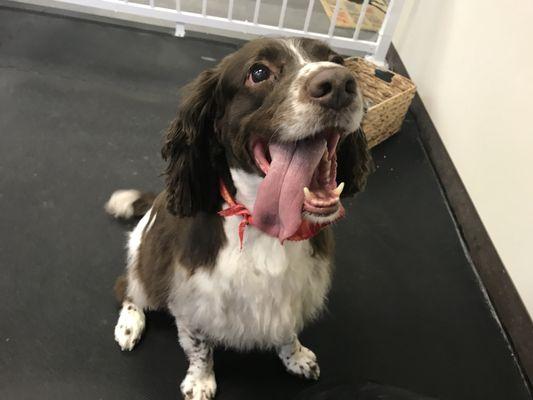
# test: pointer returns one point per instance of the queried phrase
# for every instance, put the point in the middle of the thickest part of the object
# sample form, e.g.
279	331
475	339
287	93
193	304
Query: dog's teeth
307	194
339	189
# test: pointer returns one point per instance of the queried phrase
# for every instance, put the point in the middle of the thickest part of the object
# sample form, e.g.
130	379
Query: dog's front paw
196	387
130	326
301	362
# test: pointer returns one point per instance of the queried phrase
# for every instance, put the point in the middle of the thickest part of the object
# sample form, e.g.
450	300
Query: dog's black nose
333	88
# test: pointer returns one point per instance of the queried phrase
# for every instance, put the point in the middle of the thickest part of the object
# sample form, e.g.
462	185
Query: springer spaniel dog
237	247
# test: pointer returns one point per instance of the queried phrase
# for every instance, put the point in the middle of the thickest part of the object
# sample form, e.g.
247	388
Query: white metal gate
376	49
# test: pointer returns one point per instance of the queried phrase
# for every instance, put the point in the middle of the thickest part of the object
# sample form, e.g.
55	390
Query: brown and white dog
276	126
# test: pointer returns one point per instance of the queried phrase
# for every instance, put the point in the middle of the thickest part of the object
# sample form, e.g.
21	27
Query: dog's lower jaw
322	219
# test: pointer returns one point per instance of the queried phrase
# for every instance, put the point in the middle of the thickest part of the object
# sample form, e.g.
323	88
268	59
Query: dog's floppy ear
354	163
195	157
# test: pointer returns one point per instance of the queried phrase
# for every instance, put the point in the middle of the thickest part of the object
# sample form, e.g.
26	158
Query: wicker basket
387	98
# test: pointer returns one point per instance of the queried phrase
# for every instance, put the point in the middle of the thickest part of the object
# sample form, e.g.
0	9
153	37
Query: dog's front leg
299	360
199	383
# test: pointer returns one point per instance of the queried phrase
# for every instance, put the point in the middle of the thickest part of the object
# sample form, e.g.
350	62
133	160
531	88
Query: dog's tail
129	203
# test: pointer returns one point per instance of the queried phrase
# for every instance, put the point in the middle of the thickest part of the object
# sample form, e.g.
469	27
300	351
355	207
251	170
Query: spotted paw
301	362
130	326
196	387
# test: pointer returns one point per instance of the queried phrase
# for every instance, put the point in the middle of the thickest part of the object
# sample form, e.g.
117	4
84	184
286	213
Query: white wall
473	64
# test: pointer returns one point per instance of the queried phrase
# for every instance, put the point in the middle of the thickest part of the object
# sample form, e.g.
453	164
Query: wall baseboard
505	299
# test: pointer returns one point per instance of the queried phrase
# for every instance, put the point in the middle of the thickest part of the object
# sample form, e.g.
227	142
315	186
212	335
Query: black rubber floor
82	108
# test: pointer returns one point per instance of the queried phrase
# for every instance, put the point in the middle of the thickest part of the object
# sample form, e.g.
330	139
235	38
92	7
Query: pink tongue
278	206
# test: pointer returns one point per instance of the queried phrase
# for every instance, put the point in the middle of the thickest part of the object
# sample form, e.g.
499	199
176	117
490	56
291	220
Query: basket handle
384	75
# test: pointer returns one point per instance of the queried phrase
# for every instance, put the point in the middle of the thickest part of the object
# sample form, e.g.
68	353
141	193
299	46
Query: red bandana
306	230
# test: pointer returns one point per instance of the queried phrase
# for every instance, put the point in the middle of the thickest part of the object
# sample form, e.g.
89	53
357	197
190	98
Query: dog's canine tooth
307	194
339	189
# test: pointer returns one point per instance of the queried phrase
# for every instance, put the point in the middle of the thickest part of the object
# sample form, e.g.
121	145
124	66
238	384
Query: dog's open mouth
300	181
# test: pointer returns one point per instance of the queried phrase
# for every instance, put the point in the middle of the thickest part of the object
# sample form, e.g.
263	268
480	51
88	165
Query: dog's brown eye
337	60
259	73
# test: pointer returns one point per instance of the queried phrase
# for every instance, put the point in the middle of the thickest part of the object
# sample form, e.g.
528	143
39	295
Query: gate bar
334	18
193	18
282	14
230	10
256	10
387	29
308	15
360	20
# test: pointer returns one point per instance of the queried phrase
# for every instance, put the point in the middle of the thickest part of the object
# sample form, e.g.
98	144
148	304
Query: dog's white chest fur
258	296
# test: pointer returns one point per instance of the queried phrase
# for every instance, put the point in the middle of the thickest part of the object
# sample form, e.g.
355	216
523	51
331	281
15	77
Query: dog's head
283	109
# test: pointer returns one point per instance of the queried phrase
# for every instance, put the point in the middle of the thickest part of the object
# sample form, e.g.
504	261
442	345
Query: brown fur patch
354	163
120	288
323	244
143	204
173	242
